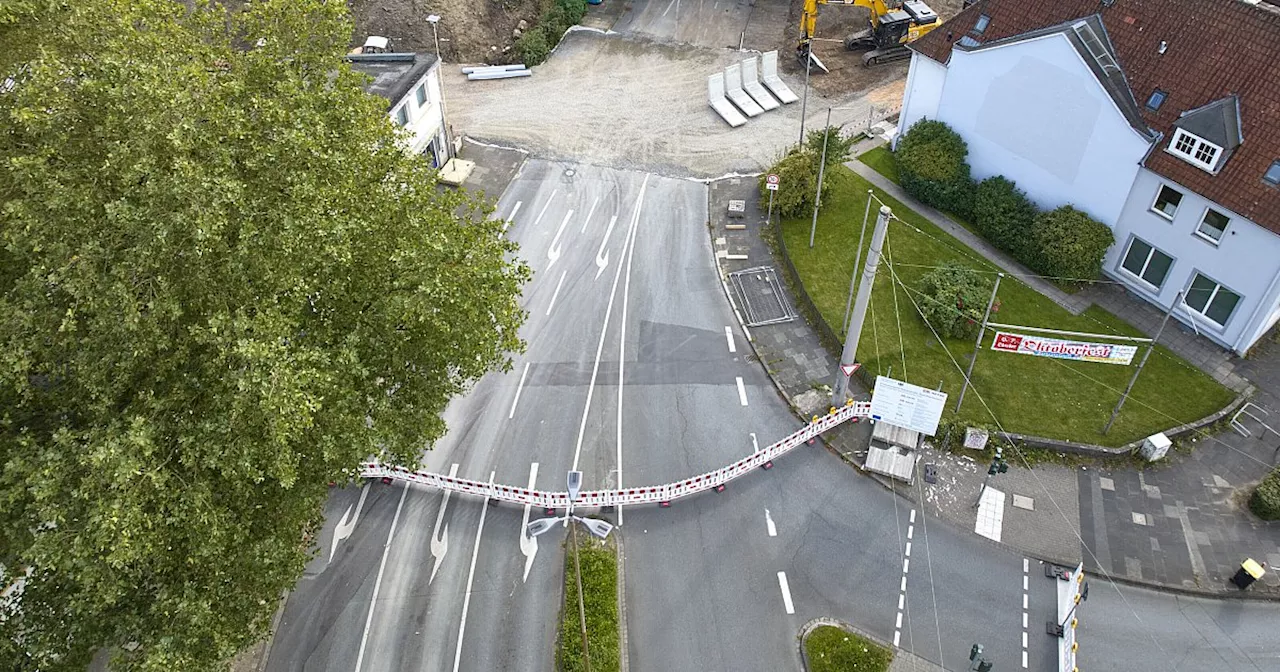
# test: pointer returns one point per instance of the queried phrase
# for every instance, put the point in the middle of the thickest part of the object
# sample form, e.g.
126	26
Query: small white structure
751	84
715	96
769	74
733	88
410	82
1155	447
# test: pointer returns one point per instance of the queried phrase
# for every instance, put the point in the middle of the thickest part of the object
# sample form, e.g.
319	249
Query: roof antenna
1164	46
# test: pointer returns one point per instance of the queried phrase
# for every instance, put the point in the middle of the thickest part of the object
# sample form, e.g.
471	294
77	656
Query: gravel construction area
626	102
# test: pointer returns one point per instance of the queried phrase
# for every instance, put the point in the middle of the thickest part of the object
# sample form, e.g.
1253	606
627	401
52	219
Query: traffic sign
575	484
848	369
771	183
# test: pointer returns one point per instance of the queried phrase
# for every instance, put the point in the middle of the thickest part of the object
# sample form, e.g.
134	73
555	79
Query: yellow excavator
894	25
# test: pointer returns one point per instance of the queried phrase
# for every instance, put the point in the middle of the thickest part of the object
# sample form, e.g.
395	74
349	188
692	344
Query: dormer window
981	25
1195	150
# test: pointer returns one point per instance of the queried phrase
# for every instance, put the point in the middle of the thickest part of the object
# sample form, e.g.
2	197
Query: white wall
920	99
426	121
1246	261
1034	112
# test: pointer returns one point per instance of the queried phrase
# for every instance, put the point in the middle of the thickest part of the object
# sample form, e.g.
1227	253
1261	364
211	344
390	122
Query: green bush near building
1068	244
1004	215
931	164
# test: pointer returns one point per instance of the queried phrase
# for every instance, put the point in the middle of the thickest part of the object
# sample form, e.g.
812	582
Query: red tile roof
1214	48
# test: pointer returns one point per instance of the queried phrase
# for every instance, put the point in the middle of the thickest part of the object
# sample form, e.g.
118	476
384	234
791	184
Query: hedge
1004	215
1069	244
931	163
1265	501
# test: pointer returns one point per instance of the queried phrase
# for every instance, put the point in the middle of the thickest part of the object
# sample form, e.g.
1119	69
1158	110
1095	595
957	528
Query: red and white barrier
653	494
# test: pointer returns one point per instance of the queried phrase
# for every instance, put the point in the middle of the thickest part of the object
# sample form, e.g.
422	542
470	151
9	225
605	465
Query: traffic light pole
998	466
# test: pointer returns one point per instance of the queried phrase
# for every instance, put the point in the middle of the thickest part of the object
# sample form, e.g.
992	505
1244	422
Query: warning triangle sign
848	369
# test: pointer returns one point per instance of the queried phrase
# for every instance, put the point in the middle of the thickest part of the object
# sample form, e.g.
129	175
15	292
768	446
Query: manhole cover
737	206
568	172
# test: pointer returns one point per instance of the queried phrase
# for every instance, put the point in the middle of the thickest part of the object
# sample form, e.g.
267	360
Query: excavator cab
892	30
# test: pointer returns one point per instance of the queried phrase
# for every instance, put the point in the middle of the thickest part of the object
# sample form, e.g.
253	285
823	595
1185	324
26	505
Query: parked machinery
893	25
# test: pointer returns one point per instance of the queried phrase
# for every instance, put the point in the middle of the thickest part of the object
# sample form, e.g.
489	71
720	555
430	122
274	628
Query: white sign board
906	405
771	183
1068	599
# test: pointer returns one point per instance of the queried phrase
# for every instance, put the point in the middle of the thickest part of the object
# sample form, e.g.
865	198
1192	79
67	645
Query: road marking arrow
554	253
528	545
347	525
602	255
440	543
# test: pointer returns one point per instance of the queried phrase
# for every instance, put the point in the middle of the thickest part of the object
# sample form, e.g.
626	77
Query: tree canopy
222	285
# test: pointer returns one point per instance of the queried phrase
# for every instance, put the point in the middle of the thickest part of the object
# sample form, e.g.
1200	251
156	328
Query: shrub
931	163
1265	501
955	299
1067	243
797	177
1004	215
532	47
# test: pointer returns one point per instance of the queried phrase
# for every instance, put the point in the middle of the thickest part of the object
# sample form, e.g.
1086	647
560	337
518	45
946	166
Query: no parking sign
771	183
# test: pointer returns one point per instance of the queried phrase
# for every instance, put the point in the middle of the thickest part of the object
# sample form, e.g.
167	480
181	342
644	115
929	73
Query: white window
1212	300
1212	226
402	115
1167	200
1147	263
1194	149
981	25
421	93
1272	176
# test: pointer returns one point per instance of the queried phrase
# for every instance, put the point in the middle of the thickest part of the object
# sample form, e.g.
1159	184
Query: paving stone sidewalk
1194	528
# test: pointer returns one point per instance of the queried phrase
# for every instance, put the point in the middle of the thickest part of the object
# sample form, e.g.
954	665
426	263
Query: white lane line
471	575
768	523
591	211
602	255
755	445
902	589
604	330
728	335
543	211
519	387
786	593
510	218
557	292
377	583
440	537
347	524
629	252
1026	569
554	252
742	392
528	544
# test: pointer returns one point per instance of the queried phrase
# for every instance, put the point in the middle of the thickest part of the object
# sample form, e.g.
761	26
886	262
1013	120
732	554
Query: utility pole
840	388
1120	404
853	278
822	166
977	346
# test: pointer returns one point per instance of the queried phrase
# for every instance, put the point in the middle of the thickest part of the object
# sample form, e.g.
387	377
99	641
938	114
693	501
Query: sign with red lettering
1107	353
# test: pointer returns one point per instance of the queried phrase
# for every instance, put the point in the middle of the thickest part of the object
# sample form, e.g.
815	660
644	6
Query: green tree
222	285
955	298
839	146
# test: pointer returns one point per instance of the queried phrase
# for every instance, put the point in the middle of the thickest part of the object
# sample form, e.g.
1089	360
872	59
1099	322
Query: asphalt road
626	291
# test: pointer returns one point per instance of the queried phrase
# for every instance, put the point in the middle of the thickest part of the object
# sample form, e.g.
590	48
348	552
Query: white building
1047	94
410	82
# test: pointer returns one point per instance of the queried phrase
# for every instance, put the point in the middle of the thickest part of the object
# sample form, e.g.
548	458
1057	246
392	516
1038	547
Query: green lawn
832	649
881	160
1030	395
600	598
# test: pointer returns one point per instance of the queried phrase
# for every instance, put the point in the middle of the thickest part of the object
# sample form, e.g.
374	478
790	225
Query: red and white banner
1107	353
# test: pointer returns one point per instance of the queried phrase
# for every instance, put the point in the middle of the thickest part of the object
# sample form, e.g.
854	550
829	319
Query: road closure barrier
649	494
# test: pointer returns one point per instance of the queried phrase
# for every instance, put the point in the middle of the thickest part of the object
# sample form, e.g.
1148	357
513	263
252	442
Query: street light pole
817	198
804	104
977	346
840	388
582	608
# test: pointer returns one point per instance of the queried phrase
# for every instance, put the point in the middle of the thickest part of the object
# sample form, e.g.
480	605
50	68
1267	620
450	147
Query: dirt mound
471	31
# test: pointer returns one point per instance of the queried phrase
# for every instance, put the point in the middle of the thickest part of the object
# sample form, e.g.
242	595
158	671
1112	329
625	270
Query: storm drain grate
762	297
